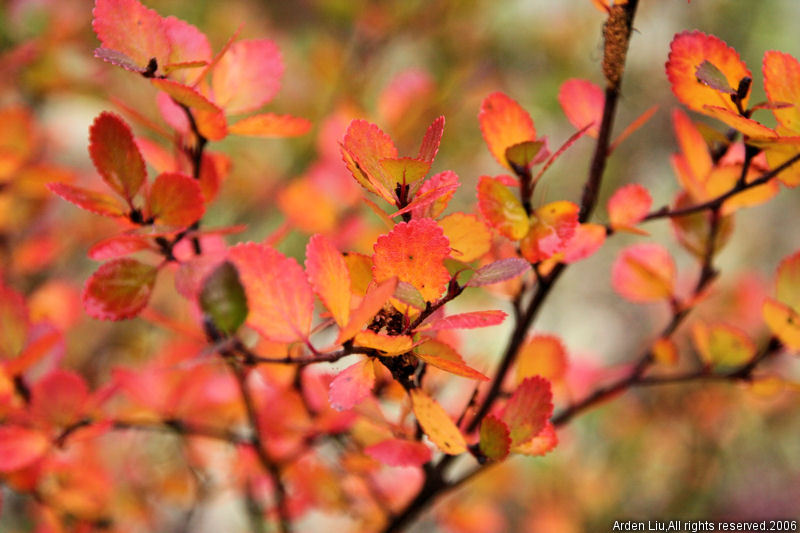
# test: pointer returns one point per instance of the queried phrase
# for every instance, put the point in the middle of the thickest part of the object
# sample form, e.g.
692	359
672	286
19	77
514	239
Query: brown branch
270	466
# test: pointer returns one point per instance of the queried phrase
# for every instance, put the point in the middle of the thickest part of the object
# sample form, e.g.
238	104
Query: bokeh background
701	451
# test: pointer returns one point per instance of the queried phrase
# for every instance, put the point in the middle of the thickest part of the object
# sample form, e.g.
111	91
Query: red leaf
96	202
399	452
20	447
414	252
431	140
587	240
328	275
352	385
582	102
119	289
644	273
119	246
271	125
115	155
247	76
279	297
501	270
495	438
476	319
528	409
176	200
128	27
503	124
60	398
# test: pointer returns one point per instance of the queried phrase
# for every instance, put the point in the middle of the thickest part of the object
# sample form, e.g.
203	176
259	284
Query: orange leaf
552	227
119	289
582	102
693	146
280	300
247	76
443	356
688	51
404	170
352	385
782	83
363	147
115	155
665	352
644	273
747	126
528	409
503	124
176	200
390	344
437	424
20	447
373	301
211	124
414	252
542	355
184	94
502	209
469	237
271	125
628	205
95	202
328	275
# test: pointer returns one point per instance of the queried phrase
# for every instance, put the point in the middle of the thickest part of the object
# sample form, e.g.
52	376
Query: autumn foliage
336	329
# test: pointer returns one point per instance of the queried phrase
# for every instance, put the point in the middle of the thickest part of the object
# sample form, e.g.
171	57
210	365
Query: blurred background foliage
701	451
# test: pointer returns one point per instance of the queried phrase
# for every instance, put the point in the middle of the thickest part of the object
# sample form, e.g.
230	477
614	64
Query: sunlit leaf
542	355
783	321
431	140
722	345
782	84
96	202
389	344
552	227
271	125
414	252
130	28
279	296
628	205
502	209
373	301
437	424
476	319
328	275
503	124
469	237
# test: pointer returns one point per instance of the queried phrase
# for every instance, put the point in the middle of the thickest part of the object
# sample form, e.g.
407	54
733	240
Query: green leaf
521	155
495	438
708	74
223	299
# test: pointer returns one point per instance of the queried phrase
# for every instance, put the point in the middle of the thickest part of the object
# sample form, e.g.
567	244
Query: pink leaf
352	385
476	319
399	452
247	76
